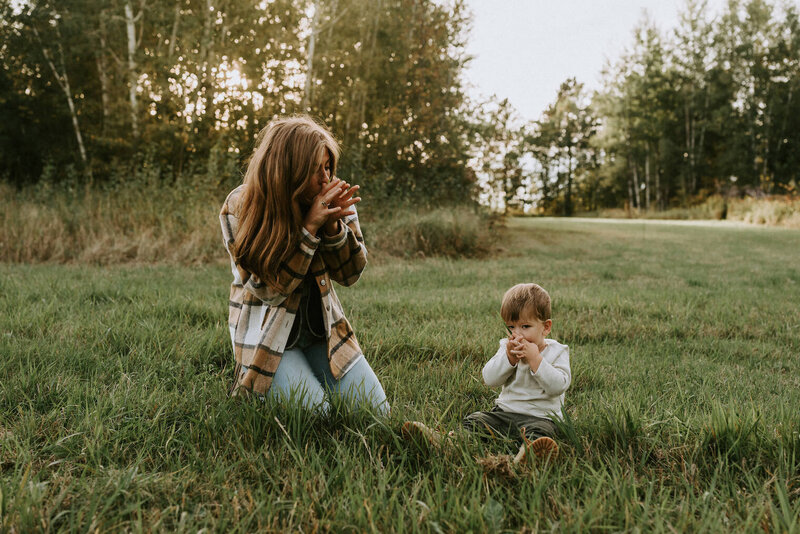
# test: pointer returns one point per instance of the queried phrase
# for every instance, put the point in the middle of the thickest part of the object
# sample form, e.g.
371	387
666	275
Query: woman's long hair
288	153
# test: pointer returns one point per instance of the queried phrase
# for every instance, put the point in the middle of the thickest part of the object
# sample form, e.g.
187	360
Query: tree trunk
102	72
312	40
701	143
207	46
173	36
647	179
630	189
367	71
130	26
568	199
63	81
657	173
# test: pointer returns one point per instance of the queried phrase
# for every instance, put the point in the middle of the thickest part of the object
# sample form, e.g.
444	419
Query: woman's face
321	177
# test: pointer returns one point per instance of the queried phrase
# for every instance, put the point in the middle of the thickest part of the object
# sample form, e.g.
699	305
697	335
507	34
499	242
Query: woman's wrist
310	228
332	227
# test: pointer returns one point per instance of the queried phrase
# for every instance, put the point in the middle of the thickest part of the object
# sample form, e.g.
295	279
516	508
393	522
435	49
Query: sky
524	49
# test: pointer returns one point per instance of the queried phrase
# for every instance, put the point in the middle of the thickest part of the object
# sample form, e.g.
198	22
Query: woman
290	229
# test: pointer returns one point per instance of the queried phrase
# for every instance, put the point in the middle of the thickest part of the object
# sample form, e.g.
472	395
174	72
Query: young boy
534	374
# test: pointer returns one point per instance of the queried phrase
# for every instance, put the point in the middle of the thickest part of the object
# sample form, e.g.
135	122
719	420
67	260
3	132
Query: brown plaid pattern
261	315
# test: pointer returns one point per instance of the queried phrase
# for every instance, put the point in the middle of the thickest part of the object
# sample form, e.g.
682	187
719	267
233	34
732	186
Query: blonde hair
526	299
288	153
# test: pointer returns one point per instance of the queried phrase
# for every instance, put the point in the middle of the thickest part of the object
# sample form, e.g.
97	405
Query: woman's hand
331	204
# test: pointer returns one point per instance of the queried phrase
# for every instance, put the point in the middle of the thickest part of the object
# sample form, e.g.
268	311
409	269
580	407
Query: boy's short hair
526	298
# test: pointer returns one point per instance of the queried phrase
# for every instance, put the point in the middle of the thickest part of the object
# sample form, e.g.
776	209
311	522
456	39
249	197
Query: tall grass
136	221
778	211
783	211
145	221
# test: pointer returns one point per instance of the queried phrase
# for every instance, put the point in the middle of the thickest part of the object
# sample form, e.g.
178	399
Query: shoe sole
543	448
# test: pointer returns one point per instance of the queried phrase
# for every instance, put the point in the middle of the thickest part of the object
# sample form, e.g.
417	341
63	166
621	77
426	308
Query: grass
682	414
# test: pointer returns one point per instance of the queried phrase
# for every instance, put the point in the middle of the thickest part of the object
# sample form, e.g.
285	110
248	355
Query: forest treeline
94	91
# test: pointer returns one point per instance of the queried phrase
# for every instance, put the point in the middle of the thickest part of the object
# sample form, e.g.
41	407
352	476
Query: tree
569	127
497	151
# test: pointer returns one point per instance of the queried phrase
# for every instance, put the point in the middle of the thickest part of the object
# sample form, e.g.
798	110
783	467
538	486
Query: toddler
533	371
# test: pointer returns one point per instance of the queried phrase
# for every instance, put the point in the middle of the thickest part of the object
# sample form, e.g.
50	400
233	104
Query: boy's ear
548	324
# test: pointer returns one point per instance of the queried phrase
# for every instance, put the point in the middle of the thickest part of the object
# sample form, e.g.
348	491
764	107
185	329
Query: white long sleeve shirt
540	394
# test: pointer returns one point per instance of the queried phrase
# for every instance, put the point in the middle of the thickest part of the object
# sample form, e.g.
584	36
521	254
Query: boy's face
530	329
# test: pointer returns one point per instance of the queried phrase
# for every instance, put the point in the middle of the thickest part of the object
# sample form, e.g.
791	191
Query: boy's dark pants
509	425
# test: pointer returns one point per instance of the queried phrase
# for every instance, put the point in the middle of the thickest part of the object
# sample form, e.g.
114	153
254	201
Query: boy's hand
527	352
512	347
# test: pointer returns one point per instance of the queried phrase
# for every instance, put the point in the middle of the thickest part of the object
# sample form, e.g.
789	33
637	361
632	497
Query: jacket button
322	283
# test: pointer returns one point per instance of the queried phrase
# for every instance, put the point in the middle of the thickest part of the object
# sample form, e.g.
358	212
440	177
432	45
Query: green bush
451	232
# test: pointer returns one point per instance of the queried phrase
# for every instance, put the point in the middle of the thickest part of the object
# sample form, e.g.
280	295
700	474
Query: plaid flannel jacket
260	315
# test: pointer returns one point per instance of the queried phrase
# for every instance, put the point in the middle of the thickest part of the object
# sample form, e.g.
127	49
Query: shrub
772	211
769	211
450	232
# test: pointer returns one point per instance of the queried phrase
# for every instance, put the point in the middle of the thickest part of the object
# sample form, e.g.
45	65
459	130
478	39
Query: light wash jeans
305	374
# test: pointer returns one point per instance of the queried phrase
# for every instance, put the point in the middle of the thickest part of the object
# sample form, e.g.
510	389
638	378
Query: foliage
707	108
188	83
681	414
88	87
497	141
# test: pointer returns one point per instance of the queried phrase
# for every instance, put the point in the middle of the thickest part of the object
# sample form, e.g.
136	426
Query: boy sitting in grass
534	372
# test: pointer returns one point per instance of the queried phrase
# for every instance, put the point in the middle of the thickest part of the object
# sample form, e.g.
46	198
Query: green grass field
682	414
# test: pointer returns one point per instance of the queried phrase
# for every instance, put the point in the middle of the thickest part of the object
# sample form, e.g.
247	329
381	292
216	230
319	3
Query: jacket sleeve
290	271
345	254
497	370
555	376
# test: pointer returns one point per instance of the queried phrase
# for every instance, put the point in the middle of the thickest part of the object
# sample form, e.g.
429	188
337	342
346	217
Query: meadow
682	414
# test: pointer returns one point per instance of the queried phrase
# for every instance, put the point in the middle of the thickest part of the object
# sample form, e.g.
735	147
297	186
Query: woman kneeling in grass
290	229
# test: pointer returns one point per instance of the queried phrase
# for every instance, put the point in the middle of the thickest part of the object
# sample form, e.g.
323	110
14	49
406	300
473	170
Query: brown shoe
543	448
419	432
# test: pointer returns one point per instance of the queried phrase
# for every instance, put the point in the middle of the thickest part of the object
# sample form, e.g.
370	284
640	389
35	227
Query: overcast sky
524	49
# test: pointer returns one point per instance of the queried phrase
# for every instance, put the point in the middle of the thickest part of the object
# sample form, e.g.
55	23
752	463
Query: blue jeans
306	375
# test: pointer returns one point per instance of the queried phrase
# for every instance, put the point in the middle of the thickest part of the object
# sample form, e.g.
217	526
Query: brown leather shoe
419	432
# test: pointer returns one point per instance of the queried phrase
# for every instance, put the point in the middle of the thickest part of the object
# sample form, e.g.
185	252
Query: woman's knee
360	386
305	393
294	382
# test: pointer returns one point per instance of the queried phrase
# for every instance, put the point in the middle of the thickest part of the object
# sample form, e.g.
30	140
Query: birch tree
133	75
55	61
